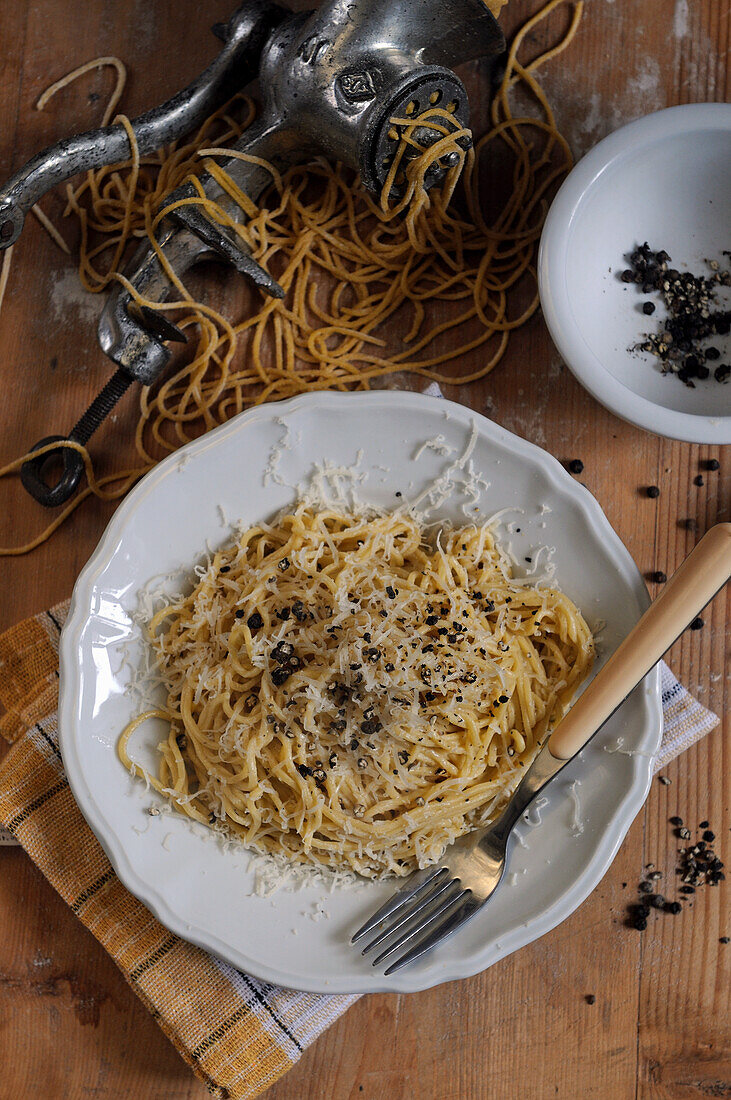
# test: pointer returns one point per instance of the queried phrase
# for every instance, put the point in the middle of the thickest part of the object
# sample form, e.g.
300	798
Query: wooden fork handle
699	578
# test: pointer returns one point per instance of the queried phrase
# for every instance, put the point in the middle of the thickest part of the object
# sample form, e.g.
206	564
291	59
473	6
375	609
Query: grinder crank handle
244	37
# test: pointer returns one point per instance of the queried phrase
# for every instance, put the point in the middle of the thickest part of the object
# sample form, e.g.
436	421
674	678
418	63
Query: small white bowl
665	179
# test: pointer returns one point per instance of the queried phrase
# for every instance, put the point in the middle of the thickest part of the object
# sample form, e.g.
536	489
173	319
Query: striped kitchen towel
237	1034
684	720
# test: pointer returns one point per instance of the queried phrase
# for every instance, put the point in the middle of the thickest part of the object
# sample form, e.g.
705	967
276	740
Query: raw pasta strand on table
350	265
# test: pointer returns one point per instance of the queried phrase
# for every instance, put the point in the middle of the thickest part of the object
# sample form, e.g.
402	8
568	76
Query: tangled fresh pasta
349	693
355	270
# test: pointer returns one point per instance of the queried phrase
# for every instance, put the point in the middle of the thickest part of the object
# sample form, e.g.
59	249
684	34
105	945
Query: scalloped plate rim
71	677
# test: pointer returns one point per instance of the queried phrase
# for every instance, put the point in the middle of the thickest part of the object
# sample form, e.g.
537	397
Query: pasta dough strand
364	279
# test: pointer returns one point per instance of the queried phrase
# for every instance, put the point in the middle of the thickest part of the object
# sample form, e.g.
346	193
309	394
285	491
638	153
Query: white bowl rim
70	684
565	332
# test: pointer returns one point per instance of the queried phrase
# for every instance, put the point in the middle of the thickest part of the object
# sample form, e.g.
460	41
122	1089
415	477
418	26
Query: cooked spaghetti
352	694
372	287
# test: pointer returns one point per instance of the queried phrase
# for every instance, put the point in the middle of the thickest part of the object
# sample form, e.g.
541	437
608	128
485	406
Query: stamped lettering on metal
357	87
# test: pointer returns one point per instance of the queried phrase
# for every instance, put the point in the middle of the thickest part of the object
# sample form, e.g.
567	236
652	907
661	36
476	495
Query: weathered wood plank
69	1026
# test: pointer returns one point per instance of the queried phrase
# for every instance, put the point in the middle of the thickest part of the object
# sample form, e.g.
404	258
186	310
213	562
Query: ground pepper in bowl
695	315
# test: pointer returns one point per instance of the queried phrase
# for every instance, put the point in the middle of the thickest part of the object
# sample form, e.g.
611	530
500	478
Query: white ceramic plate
179	870
662	179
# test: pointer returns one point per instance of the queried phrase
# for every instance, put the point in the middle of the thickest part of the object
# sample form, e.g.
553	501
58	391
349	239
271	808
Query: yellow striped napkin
238	1034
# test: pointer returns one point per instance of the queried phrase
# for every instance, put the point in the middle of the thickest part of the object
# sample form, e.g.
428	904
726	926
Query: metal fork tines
436	901
419	916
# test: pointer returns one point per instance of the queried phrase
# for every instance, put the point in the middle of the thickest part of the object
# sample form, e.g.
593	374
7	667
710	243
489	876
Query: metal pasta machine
330	82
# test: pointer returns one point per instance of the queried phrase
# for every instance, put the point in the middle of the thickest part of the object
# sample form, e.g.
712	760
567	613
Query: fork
438	900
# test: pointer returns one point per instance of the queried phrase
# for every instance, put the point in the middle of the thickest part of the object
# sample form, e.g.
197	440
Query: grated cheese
203	663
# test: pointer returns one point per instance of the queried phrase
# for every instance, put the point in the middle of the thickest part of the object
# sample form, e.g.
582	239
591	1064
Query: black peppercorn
255	621
698	480
697	624
652	491
576	466
659	577
648	308
282	652
713	464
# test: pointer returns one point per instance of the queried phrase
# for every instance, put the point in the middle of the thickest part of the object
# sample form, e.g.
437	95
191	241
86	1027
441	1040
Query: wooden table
69	1025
